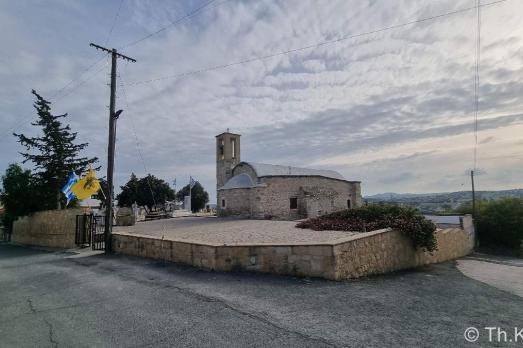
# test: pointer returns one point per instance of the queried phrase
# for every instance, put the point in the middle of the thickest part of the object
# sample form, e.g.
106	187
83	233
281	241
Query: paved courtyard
57	299
232	231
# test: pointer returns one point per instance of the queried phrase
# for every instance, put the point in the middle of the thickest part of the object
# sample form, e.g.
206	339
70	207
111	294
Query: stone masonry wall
300	260
51	228
237	202
365	254
386	250
314	194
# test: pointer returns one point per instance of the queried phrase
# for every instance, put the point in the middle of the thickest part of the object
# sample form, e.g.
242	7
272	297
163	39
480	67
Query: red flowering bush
374	217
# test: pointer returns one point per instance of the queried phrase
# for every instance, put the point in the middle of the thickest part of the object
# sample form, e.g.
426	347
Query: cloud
408	90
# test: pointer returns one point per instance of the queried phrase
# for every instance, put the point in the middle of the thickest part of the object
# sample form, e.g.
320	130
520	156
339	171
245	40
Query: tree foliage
199	197
17	195
378	216
146	191
54	154
498	222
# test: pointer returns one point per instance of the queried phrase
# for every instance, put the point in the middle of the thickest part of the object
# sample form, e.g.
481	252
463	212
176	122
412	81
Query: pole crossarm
119	55
111	144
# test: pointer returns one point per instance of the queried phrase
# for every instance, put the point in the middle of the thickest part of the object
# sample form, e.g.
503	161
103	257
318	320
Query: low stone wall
360	255
385	251
50	228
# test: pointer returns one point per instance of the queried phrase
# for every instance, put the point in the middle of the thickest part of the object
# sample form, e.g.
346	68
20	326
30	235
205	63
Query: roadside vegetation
377	216
499	223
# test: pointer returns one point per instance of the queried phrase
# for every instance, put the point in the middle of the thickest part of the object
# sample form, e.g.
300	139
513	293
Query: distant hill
439	202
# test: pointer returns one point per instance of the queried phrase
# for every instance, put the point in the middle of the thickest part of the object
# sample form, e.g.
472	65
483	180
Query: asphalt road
50	299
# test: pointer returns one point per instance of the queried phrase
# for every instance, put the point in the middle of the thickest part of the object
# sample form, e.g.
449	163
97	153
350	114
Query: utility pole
113	115
473	195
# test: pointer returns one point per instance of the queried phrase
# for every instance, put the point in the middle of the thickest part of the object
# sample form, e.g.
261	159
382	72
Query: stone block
125	217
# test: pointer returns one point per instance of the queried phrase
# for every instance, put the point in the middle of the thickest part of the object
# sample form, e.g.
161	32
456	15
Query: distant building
261	191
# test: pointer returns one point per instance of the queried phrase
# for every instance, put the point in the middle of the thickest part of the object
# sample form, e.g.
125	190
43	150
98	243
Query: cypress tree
54	154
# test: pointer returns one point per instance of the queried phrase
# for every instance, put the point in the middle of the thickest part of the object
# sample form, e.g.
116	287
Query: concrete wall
361	255
51	228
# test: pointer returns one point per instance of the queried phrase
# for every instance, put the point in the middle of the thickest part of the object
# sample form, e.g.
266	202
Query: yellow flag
87	186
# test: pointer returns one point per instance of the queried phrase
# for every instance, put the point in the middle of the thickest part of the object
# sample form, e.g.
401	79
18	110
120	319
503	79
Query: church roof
239	181
262	169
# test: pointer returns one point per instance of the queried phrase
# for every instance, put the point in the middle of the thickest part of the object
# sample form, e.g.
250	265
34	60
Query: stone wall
356	256
300	260
316	196
50	228
237	202
385	251
225	162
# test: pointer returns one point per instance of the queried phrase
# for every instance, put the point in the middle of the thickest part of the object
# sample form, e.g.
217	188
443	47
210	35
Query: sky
394	109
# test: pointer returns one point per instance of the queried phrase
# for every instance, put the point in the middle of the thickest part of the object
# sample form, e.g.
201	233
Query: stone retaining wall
50	228
364	254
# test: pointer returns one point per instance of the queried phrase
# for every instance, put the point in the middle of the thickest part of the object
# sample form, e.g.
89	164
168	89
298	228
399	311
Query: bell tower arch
227	156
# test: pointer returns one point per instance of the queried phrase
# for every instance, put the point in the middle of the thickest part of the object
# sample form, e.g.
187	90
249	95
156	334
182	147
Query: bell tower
227	156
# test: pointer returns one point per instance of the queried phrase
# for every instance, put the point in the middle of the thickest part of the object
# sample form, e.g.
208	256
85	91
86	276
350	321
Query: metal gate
90	231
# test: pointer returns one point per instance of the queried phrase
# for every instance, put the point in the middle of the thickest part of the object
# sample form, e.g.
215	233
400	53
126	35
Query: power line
114	23
84	71
316	45
476	82
83	82
138	147
184	17
91	66
27	118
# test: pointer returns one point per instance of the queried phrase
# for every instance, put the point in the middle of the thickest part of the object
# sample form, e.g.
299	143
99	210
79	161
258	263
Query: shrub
500	222
373	217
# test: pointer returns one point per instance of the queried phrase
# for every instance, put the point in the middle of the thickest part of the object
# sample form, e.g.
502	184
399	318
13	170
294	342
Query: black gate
90	231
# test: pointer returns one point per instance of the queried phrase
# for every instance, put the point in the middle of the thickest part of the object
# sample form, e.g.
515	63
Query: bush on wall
378	216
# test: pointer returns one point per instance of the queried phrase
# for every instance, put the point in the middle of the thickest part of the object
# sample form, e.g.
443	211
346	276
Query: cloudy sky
393	109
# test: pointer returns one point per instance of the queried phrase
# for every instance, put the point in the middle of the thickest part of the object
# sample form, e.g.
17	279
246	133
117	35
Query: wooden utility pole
473	195
113	115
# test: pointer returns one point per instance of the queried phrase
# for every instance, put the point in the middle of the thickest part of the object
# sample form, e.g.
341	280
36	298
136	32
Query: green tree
17	195
498	222
148	191
199	197
54	154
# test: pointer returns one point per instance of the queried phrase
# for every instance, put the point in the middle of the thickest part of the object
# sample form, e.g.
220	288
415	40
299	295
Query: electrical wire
137	141
27	118
114	23
476	84
184	17
316	45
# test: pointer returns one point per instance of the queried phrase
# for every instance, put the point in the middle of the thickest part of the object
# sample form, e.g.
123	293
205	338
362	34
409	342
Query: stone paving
233	231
